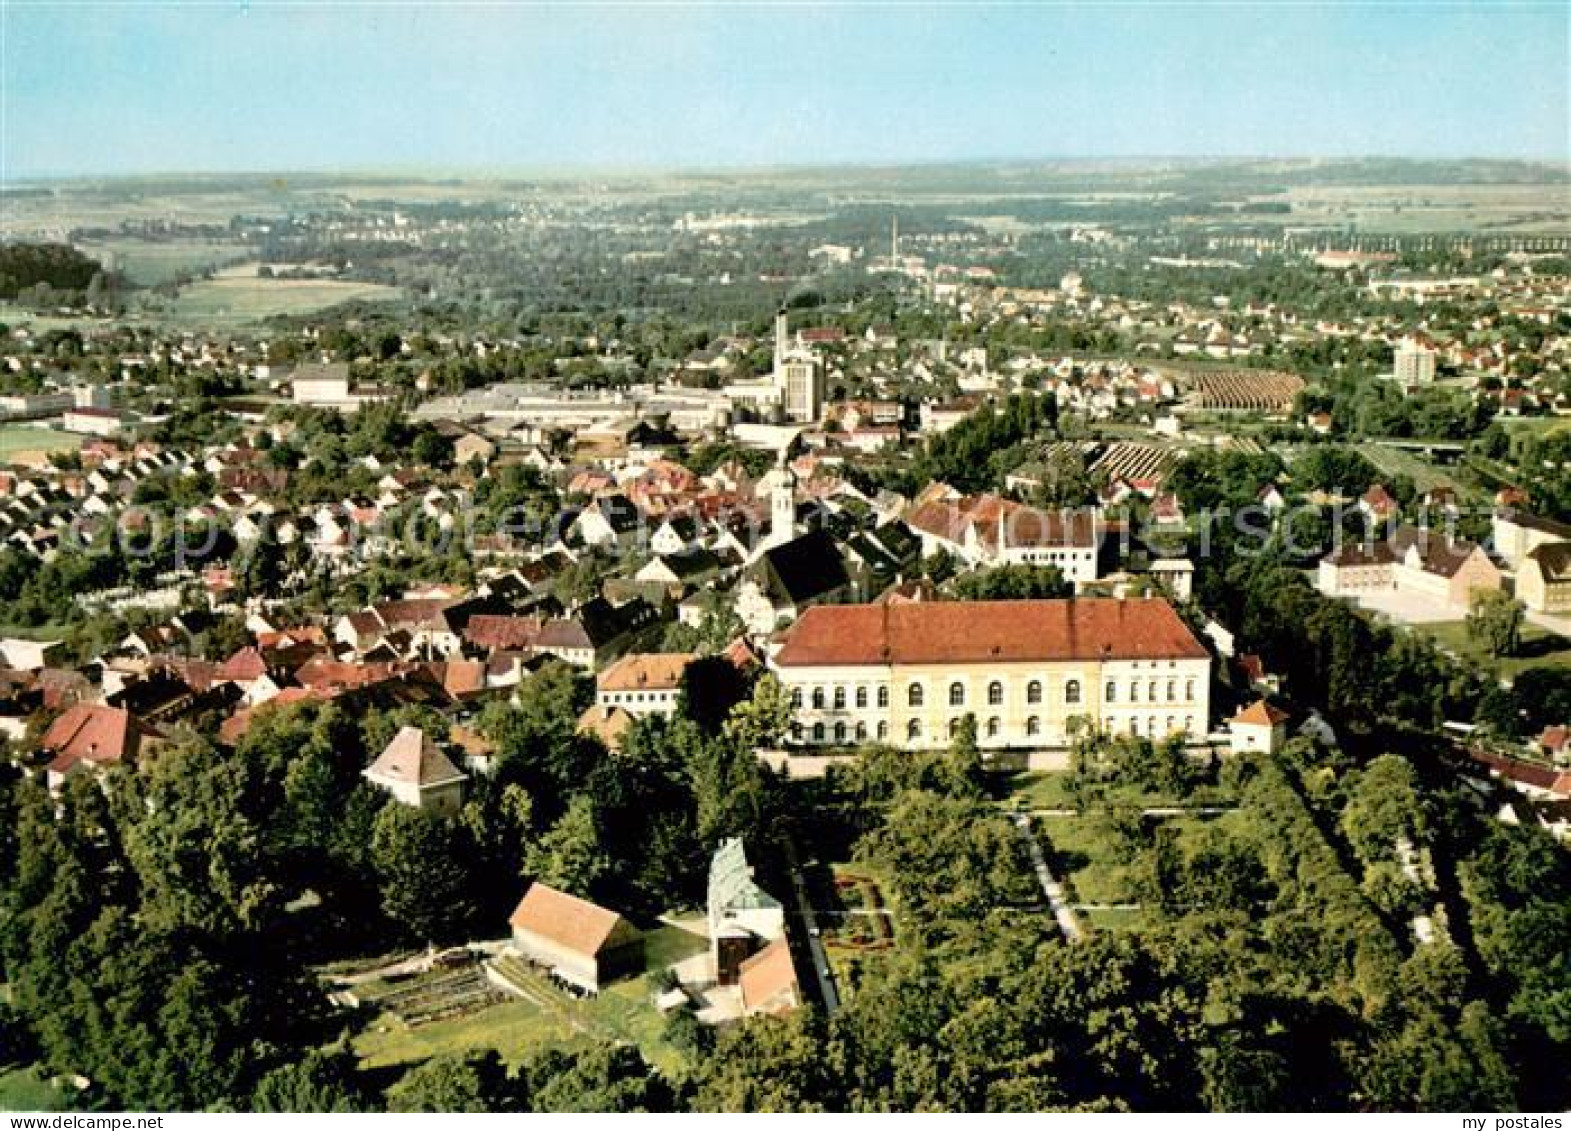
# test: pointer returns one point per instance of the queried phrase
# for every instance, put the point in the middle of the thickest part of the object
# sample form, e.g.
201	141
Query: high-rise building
798	376
1413	363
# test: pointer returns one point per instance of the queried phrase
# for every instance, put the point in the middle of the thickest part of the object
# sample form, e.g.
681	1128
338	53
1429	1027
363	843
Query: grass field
520	1027
236	296
25	1089
21	439
147	263
1539	648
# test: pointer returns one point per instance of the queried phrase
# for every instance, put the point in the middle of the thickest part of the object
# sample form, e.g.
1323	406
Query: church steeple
782	503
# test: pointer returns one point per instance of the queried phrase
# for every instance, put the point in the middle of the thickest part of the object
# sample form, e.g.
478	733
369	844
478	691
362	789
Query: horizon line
551	171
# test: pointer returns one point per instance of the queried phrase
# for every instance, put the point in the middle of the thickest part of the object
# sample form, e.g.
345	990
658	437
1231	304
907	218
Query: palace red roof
989	631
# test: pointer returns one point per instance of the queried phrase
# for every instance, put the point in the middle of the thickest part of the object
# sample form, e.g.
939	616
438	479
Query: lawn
1539	648
26	1089
519	1027
1088	860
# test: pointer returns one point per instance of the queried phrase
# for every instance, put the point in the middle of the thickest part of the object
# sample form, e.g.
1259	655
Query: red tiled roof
1527	773
413	759
1260	714
766	977
243	667
573	923
489	631
646	671
997	631
90	732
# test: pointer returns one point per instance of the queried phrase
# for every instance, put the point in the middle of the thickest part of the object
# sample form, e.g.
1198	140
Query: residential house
416	772
91	737
1258	727
644	683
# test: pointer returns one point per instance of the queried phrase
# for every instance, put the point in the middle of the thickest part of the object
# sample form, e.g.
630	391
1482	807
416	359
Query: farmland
236	296
20	439
146	263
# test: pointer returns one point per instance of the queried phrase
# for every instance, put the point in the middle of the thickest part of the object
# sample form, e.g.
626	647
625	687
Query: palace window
818	698
1072	691
1111	692
840	699
1034	691
861	732
914	729
883	695
1033	725
840	734
995	694
993	727
861	698
914	695
957	694
883	731
818	732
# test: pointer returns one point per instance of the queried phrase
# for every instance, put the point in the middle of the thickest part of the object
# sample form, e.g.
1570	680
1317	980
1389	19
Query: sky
129	87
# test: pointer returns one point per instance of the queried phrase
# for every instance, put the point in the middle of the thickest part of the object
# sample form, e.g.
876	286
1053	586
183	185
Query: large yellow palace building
907	674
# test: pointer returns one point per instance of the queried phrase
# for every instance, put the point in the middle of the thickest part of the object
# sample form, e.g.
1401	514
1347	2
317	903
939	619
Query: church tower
781	484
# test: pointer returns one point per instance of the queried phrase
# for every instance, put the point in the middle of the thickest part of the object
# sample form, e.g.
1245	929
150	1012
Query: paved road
815	945
1054	891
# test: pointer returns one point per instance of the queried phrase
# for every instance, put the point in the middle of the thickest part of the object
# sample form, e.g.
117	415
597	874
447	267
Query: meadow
236	296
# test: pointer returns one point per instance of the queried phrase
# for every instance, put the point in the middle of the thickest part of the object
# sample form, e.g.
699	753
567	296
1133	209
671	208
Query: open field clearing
25	1089
543	1015
19	439
236	296
1539	648
147	263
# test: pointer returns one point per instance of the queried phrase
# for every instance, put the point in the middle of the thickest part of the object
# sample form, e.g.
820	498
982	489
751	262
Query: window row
839	695
842	732
1153	729
1155	691
916	695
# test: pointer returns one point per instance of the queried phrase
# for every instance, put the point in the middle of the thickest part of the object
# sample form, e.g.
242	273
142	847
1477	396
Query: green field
20	439
147	263
519	1027
236	296
26	1089
1539	648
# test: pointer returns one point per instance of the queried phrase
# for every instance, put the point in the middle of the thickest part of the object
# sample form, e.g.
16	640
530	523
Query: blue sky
100	88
